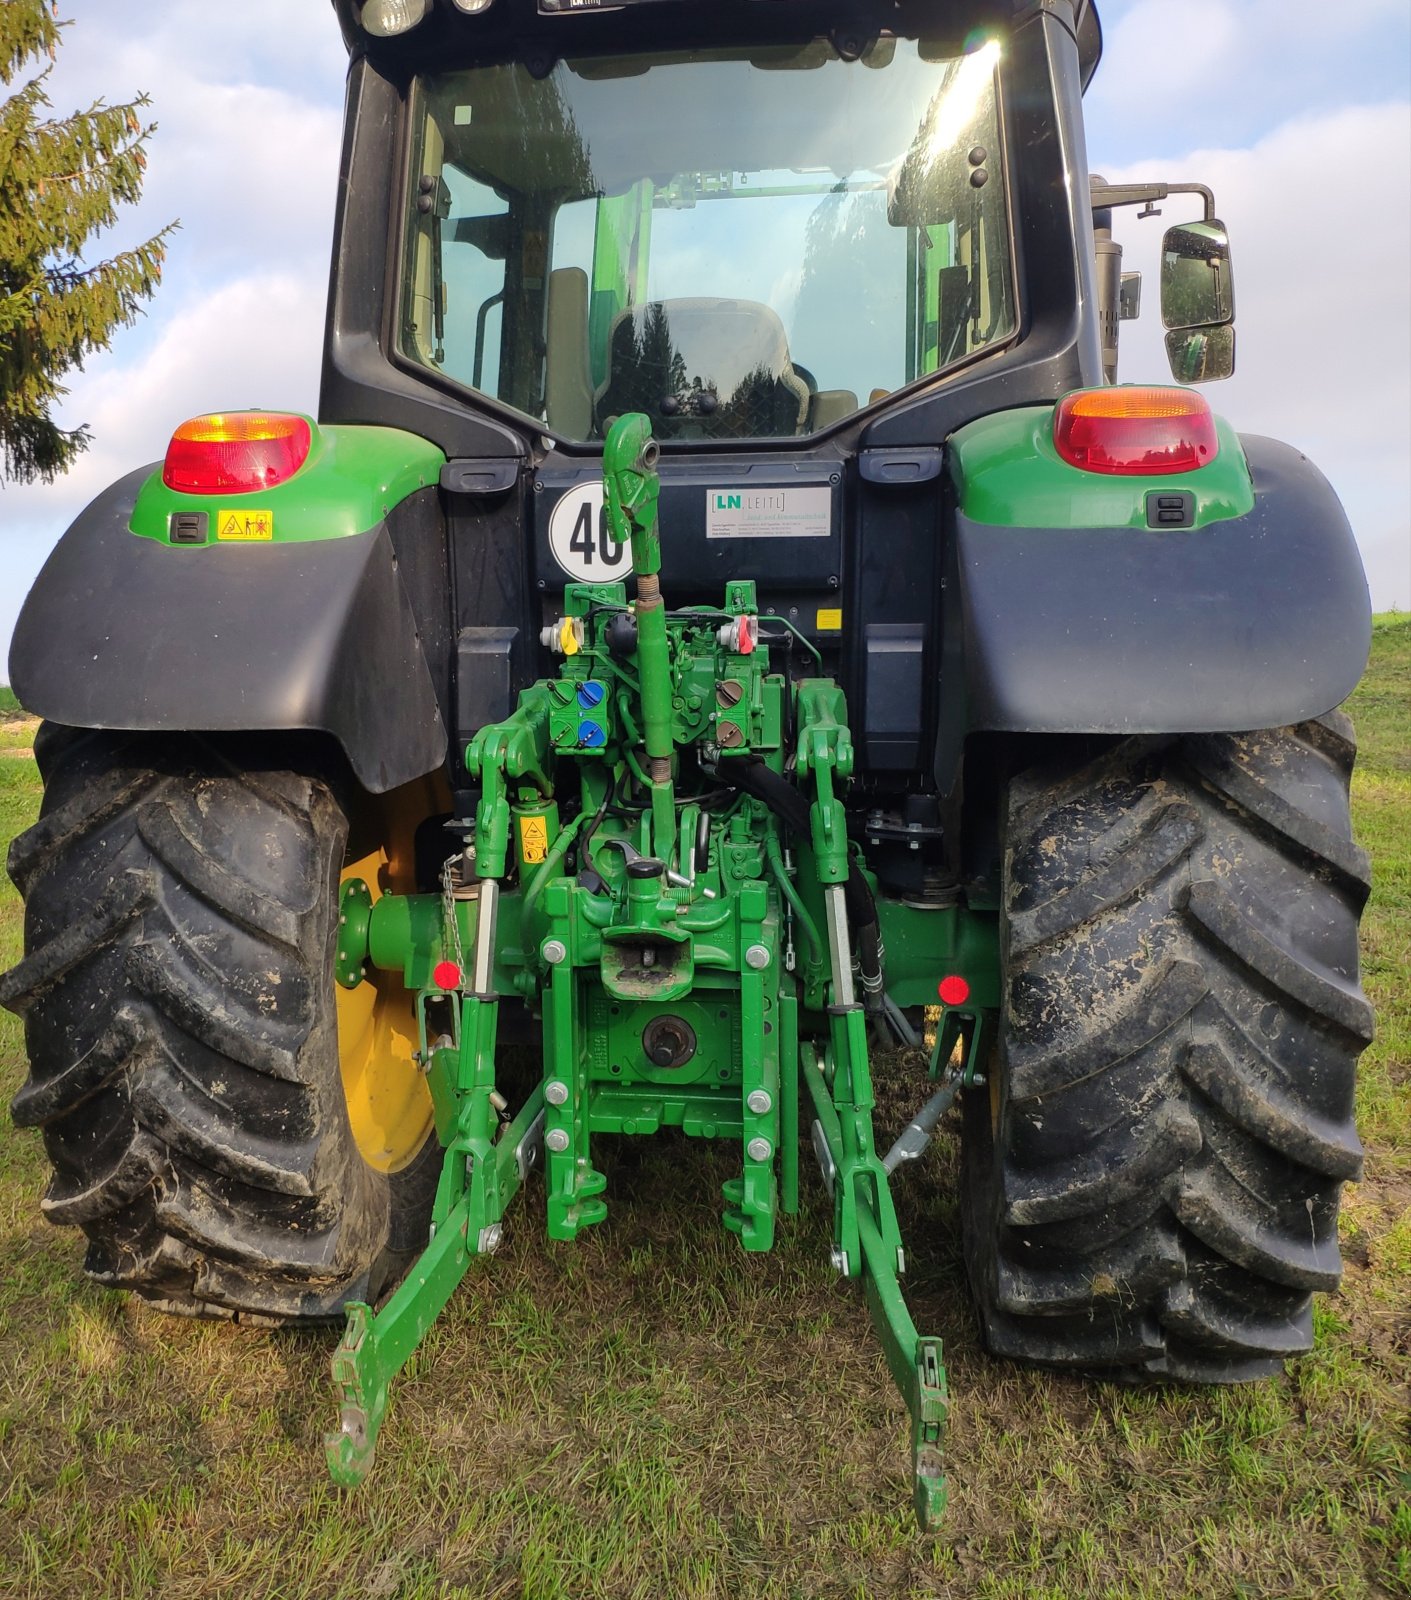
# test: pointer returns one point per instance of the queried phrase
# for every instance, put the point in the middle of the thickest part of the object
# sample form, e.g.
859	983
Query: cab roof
1088	27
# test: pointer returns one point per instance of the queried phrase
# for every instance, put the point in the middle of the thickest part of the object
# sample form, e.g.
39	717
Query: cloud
247	158
1237	67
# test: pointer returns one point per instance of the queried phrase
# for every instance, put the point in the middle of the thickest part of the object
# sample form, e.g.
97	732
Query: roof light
1136	430
472	6
236	453
384	18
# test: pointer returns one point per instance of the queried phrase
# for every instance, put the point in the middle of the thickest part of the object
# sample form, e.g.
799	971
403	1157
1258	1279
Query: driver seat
704	369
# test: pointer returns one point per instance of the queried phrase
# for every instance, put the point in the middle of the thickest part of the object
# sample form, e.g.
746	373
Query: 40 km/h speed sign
582	541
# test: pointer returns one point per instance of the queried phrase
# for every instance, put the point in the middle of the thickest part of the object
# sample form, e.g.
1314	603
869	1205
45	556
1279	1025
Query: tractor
725	616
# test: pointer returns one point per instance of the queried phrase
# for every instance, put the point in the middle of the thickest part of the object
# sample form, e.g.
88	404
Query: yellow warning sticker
533	840
245	525
830	621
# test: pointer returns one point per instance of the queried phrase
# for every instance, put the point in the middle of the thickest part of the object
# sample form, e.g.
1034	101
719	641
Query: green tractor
724	606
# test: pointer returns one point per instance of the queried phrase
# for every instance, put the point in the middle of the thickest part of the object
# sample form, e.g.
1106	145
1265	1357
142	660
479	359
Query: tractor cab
746	221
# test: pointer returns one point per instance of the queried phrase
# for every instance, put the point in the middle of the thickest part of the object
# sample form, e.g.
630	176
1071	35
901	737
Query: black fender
122	632
1256	621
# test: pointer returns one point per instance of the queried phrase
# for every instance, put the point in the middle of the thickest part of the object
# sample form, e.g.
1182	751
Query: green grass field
650	1413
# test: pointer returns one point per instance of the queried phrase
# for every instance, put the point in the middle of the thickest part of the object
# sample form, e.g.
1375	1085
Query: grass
650	1413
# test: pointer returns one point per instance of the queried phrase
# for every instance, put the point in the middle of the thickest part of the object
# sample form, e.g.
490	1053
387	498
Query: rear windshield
742	245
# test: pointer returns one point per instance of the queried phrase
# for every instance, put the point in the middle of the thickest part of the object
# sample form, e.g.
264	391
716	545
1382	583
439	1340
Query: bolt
759	1101
556	1093
757	958
839	1258
557	1140
759	1149
490	1239
554	951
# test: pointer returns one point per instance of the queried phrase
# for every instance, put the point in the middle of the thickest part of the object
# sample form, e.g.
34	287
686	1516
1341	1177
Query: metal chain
448	912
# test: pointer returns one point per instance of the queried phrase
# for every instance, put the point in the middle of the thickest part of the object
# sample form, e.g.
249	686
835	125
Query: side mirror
1198	302
1197	289
1201	355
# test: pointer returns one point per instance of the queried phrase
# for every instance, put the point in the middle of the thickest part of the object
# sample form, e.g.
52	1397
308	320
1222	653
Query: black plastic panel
484	678
894	671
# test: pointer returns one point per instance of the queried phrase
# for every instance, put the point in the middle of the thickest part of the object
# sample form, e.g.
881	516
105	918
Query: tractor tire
181	907
1152	1173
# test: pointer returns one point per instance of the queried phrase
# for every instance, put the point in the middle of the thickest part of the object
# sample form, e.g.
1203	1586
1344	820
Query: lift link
652	940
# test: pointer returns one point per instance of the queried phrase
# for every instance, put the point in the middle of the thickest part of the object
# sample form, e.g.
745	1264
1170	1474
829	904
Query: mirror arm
1106	195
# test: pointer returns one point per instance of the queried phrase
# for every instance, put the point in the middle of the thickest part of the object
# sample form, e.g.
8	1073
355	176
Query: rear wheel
221	1154
1152	1175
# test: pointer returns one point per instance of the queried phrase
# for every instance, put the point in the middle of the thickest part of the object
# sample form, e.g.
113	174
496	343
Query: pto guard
127	631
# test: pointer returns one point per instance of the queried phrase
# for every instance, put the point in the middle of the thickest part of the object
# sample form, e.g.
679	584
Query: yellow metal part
389	1104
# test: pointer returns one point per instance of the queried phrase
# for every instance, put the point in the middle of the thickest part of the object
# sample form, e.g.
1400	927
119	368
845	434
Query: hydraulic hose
775	857
787	802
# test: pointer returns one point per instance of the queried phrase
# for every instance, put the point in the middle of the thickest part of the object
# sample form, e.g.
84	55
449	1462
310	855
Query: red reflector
954	990
1136	430
236	453
447	975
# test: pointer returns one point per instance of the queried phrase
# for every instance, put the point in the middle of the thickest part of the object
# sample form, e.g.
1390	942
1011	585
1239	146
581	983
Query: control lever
640	866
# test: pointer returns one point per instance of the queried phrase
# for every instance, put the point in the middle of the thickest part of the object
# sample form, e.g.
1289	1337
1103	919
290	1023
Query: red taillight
1135	430
236	452
954	990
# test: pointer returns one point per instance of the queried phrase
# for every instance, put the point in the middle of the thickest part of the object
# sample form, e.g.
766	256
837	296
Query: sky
1296	112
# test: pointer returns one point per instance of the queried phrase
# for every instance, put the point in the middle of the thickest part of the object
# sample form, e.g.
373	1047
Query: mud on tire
178	1002
1152	1180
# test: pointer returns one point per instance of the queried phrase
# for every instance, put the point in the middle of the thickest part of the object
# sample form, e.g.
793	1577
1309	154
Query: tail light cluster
238	452
1135	430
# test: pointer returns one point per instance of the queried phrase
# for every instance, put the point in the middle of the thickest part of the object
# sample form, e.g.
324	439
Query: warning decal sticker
533	840
245	526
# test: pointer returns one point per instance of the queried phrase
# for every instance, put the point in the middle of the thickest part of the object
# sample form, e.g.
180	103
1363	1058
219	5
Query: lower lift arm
484	1163
867	1238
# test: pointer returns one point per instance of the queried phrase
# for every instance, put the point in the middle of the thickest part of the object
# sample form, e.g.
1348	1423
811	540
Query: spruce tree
62	179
